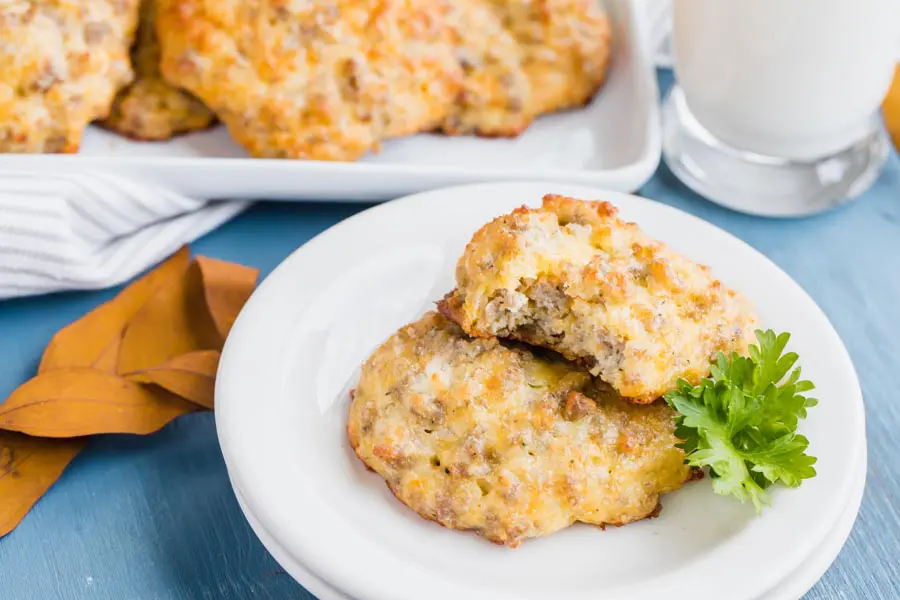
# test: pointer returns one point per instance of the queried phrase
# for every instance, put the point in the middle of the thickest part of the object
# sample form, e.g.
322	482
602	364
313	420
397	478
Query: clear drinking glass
776	107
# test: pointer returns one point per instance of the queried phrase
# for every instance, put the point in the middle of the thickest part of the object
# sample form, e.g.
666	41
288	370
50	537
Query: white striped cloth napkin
66	232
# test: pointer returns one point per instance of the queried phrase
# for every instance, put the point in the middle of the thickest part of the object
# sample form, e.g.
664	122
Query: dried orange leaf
173	322
28	467
109	357
191	376
227	287
87	340
79	401
891	109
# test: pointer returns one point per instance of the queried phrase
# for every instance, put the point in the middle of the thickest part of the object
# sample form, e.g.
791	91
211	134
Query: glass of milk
776	107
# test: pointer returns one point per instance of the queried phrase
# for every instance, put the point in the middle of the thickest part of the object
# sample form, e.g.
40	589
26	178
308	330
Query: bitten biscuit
573	277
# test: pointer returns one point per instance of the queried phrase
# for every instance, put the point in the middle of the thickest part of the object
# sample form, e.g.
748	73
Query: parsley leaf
741	422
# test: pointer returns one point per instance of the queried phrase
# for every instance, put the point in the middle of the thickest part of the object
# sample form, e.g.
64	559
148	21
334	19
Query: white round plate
293	355
312	583
800	581
795	586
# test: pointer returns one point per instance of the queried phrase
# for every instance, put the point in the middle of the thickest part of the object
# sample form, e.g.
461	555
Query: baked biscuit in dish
150	108
413	59
496	96
315	80
564	47
481	436
573	277
330	81
524	58
61	64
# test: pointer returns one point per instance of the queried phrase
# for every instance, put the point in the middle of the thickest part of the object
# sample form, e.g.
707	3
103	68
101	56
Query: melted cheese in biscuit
573	277
477	435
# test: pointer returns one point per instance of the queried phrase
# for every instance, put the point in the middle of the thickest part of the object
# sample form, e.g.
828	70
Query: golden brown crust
565	48
149	108
480	436
330	82
61	64
451	307
573	277
311	80
494	99
524	58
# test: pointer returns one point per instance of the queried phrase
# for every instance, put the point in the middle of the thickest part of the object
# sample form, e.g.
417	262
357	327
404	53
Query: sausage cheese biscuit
314	80
332	80
481	436
495	99
521	59
150	108
564	46
573	277
61	64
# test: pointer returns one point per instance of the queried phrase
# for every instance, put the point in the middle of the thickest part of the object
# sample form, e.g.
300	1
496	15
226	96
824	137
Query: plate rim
795	585
307	554
820	561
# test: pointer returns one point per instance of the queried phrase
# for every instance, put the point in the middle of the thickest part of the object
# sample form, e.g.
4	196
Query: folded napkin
67	232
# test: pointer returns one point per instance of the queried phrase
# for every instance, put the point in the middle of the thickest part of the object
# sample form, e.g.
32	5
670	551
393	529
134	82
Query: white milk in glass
797	79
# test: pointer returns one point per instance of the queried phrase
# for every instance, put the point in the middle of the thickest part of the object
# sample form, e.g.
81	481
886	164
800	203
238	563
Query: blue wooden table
154	517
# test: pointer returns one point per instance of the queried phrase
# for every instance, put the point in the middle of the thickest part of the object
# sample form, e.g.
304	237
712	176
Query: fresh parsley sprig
741	422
